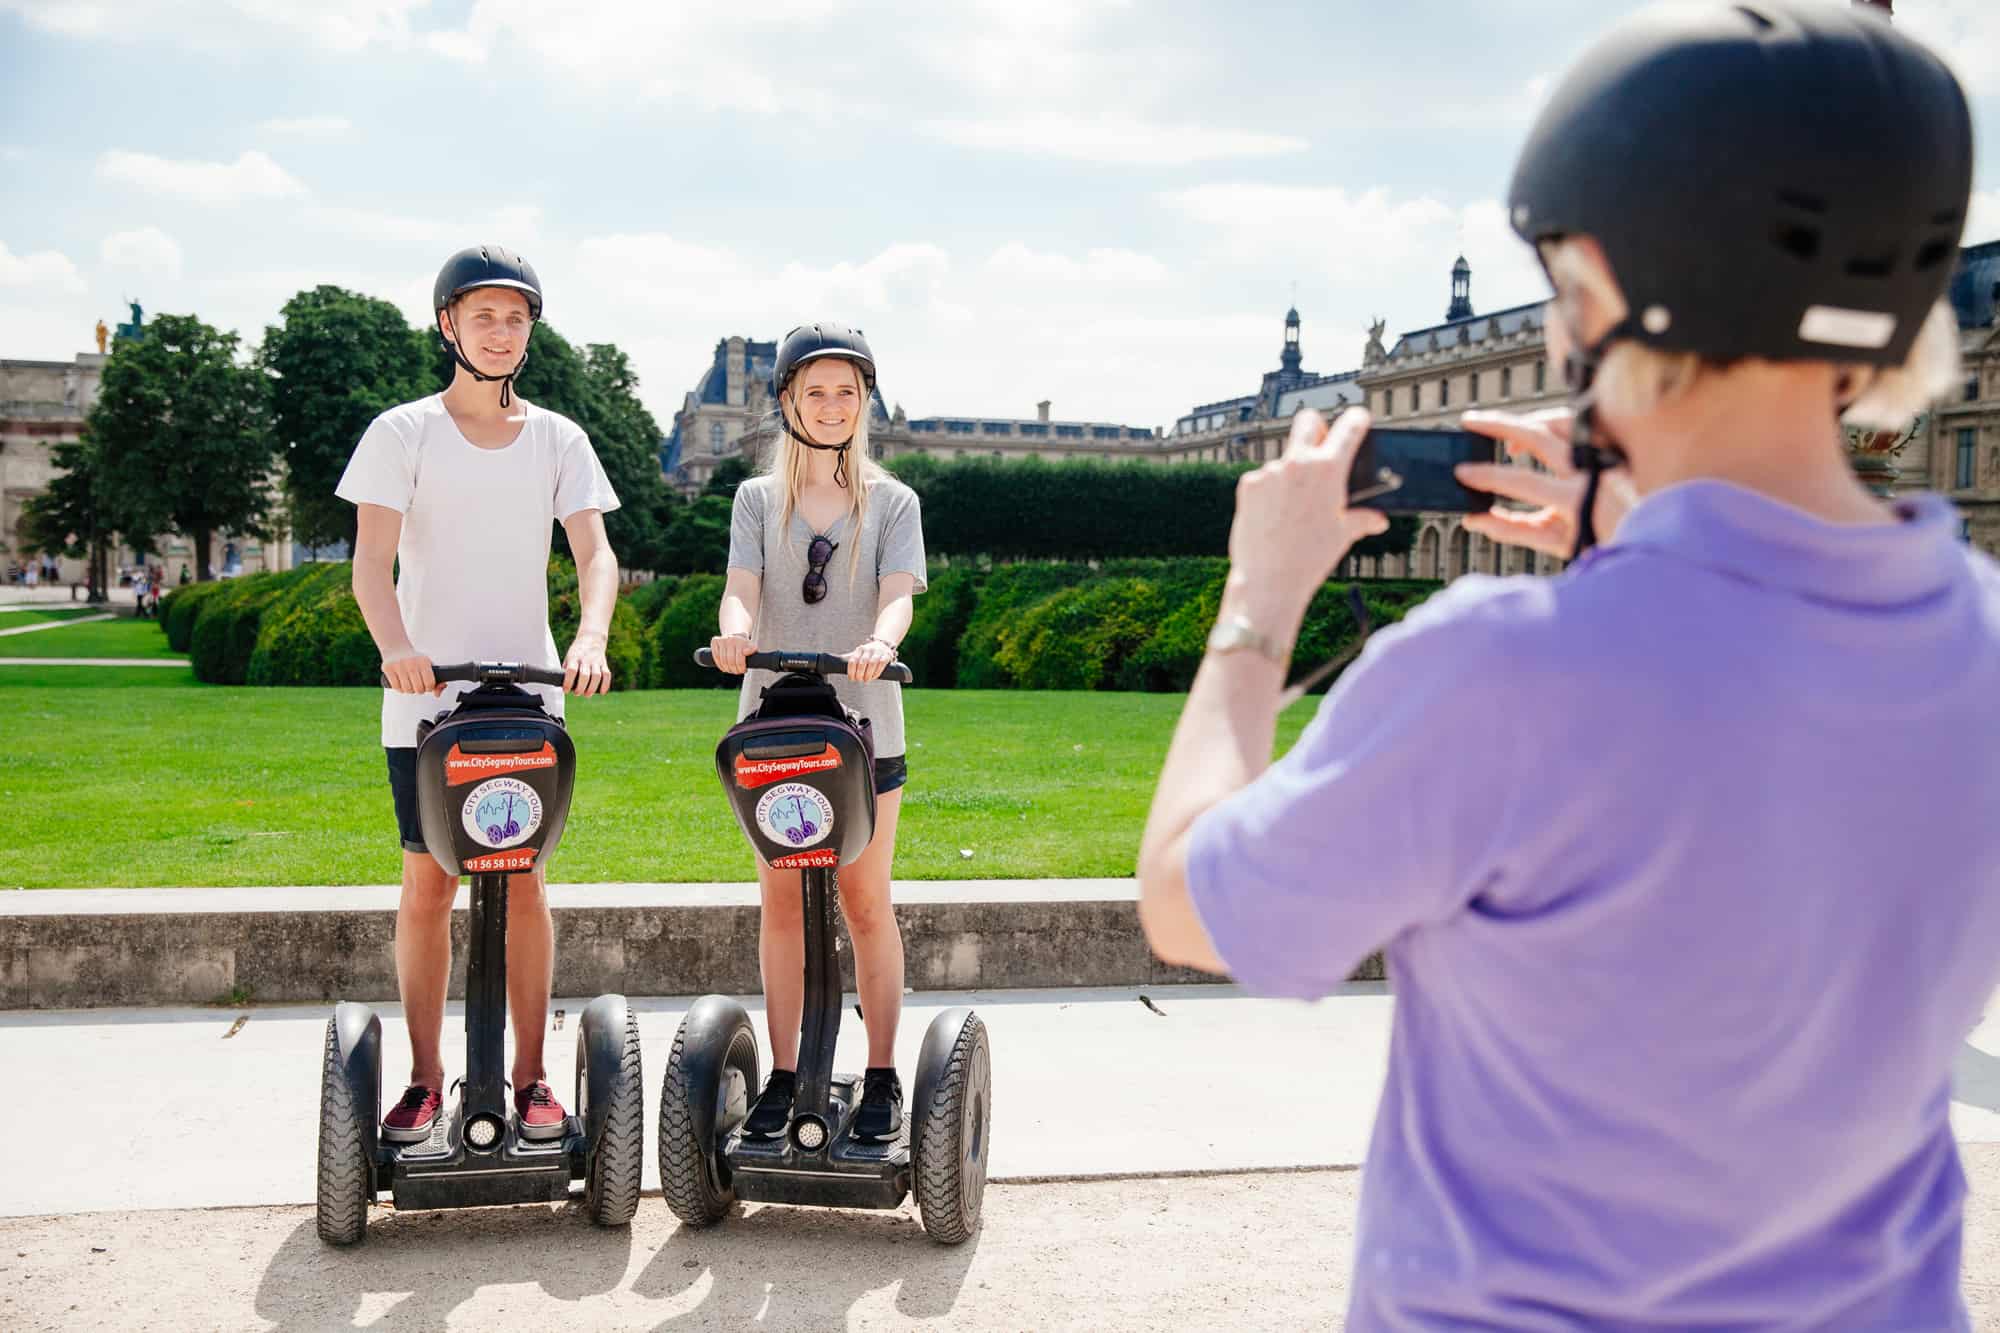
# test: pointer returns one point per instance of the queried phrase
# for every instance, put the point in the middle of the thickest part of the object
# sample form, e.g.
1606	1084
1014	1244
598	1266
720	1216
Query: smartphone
1409	471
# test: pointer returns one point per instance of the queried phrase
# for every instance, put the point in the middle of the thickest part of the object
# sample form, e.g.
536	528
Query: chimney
1042	410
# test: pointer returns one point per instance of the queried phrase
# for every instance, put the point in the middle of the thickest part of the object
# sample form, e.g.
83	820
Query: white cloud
1099	266
148	249
43	268
515	226
10	153
1119	139
309	127
1351	233
343	26
253	175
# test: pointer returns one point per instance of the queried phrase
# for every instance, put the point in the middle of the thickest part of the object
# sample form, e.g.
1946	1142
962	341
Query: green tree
183	436
728	475
72	516
336	362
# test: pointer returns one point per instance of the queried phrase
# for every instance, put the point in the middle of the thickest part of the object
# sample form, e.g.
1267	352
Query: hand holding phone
1410	471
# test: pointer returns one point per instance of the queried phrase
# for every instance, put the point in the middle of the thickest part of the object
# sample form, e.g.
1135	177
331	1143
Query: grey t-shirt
892	542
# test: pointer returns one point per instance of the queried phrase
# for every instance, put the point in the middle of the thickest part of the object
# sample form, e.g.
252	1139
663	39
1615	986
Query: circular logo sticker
502	812
795	814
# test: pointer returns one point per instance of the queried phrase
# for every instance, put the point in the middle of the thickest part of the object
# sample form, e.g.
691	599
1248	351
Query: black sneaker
880	1115
772	1110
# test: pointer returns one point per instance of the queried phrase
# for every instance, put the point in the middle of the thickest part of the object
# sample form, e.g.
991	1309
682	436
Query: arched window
1427	554
1461	553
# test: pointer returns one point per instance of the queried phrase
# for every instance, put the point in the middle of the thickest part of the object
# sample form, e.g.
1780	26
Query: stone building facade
1956	450
42	405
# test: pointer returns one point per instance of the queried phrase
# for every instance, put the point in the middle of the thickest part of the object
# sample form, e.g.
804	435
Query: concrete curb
92	948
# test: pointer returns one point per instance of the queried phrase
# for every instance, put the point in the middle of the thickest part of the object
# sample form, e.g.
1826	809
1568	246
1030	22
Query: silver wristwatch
1234	632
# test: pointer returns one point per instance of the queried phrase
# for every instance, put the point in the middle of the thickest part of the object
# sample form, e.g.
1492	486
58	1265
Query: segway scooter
800	776
494	777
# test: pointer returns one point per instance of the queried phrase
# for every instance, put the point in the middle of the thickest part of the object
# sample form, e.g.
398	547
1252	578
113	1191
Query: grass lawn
13	617
118	779
125	637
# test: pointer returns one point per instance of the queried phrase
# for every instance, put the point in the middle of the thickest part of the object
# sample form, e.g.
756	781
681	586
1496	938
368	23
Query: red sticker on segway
824	857
754	773
460	767
524	860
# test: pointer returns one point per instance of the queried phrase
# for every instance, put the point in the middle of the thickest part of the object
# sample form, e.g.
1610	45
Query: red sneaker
541	1115
411	1119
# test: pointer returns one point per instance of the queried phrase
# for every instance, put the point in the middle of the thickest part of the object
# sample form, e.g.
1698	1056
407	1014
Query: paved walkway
41	625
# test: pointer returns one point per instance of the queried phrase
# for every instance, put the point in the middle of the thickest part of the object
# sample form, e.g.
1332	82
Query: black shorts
891	774
403	790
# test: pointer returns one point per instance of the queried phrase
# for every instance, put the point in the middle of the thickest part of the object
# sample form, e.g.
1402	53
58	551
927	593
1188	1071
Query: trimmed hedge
1006	592
226	626
937	628
687	622
647	600
179	608
314	635
1080	638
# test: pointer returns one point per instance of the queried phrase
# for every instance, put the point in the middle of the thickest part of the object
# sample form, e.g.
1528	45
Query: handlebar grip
479	673
820	664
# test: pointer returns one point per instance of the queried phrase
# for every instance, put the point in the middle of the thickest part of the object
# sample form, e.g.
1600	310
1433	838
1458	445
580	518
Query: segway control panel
494	775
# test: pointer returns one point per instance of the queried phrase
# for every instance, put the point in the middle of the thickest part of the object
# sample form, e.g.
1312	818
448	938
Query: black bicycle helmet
1778	179
810	342
479	266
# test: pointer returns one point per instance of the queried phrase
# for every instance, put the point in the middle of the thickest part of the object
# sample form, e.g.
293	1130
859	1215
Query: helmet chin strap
1587	454
506	381
840	464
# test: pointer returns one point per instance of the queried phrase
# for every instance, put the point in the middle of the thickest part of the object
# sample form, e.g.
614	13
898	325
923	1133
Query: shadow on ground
774	1268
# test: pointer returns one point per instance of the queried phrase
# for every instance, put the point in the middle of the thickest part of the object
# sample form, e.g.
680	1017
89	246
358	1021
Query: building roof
1458	332
759	360
1975	287
1331	393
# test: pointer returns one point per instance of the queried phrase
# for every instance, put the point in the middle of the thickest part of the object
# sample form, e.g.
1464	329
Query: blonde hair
1634	380
788	463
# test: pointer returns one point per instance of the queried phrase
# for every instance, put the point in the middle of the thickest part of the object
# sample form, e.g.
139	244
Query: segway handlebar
820	664
492	673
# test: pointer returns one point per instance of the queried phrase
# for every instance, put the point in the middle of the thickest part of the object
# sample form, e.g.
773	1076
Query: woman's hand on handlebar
585	671
729	650
867	661
411	675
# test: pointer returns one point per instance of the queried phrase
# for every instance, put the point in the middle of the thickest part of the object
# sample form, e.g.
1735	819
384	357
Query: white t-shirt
477	527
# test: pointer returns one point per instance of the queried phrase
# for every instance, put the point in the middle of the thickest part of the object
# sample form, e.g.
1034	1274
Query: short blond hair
1634	380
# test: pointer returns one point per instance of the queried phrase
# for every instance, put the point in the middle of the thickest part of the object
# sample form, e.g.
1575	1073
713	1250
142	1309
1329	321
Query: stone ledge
64	949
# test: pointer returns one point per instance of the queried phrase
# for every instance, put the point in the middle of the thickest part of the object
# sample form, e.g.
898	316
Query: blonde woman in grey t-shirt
826	551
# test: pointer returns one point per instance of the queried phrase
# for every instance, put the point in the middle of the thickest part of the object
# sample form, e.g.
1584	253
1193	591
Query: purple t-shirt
1687	867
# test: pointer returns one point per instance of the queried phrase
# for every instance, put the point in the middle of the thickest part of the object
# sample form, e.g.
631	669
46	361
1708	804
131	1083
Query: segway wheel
710	1080
344	1168
954	1136
618	1123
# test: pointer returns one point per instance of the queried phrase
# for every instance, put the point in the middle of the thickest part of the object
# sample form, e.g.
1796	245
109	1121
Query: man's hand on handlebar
585	671
411	675
730	650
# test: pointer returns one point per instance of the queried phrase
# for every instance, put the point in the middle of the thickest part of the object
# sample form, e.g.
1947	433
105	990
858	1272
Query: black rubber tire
954	1140
345	1189
696	1189
618	1156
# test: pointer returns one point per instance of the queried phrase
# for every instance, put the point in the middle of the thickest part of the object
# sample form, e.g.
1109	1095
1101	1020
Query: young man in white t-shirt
462	487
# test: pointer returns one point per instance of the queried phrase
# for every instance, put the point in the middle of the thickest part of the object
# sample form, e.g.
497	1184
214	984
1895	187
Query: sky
1108	204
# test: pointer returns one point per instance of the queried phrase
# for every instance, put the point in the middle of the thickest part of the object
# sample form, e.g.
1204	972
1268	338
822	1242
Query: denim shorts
891	774
403	790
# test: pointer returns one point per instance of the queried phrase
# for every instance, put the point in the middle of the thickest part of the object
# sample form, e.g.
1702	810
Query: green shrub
623	651
225	628
313	634
649	599
1080	638
1166	662
931	647
686	623
1007	592
179	608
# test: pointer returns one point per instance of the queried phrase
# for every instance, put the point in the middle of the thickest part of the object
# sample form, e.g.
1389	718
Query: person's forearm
738	616
893	617
375	594
598	585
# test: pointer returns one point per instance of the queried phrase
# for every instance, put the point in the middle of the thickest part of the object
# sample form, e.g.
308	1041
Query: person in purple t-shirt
1685	862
